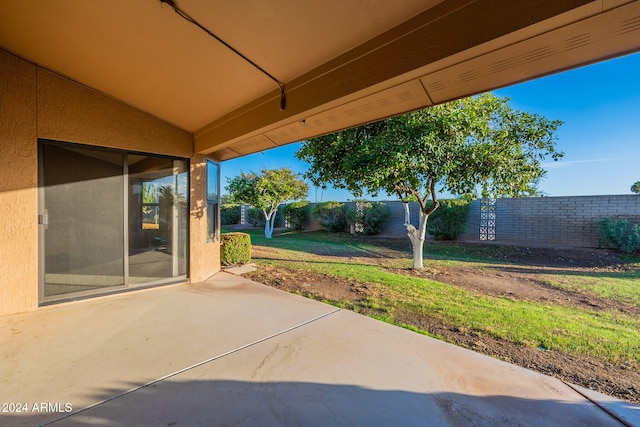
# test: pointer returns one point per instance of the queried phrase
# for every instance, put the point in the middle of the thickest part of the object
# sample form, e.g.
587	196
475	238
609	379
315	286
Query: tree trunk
417	237
418	248
269	222
407	214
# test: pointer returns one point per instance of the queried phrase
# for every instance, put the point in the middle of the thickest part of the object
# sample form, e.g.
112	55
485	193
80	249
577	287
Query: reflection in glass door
157	218
109	220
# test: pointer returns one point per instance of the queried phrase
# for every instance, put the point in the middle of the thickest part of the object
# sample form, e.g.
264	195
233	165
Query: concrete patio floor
232	352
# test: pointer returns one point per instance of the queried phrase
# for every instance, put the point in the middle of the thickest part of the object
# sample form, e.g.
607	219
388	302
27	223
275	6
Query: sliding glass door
157	218
109	220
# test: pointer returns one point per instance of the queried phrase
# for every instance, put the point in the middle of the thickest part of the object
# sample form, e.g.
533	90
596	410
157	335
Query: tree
635	188
461	145
266	191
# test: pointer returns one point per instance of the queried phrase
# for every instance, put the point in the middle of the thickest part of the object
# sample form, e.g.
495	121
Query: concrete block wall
472	227
535	221
558	221
395	224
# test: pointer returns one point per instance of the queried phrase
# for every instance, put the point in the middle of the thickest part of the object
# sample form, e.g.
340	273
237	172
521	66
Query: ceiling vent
522	59
577	41
631	24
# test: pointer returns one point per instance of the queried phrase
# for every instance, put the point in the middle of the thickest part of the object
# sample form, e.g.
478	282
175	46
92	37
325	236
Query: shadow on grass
536	270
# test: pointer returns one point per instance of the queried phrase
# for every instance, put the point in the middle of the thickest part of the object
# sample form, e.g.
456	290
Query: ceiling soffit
143	53
140	52
290	37
447	29
408	54
613	33
586	37
406	97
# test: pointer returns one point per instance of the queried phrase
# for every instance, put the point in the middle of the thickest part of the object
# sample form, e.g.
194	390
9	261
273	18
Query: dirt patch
583	259
518	281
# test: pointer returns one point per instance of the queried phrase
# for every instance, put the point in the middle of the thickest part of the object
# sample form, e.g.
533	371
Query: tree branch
436	203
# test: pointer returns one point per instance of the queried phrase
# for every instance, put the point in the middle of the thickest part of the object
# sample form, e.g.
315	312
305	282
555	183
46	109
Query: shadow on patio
225	402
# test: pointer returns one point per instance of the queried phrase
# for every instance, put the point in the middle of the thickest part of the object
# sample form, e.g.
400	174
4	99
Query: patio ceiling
342	62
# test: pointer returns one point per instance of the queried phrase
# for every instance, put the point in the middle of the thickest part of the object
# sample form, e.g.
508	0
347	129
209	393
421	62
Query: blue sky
599	105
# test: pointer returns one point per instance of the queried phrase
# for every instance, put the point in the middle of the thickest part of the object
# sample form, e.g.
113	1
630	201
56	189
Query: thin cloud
563	164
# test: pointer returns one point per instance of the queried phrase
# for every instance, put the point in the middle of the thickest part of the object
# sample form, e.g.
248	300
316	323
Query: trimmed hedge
449	220
331	216
235	248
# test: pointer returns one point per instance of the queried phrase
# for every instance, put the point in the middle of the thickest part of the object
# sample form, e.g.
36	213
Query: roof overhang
342	64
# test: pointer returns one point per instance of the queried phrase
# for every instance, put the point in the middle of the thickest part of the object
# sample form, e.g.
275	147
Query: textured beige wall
18	186
35	103
71	112
204	256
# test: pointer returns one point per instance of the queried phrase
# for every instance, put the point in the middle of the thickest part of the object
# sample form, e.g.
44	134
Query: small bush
255	217
619	234
296	214
449	220
235	248
230	214
330	215
370	219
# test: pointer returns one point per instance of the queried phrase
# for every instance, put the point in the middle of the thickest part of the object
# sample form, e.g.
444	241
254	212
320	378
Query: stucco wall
18	186
70	112
204	256
36	103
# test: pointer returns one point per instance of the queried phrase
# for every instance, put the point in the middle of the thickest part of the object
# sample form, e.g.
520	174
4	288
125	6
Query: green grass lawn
624	287
609	336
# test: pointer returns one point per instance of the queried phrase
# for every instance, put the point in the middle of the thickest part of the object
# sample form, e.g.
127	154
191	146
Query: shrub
230	214
370	218
619	234
255	217
330	215
296	214
235	248
449	220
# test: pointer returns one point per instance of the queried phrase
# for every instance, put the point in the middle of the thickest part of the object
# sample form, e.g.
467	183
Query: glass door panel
82	220
157	218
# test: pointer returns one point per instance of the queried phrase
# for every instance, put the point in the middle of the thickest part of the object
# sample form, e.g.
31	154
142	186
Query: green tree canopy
635	188
266	191
462	146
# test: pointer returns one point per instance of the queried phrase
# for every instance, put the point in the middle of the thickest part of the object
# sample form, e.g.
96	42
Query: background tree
465	145
266	191
635	188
